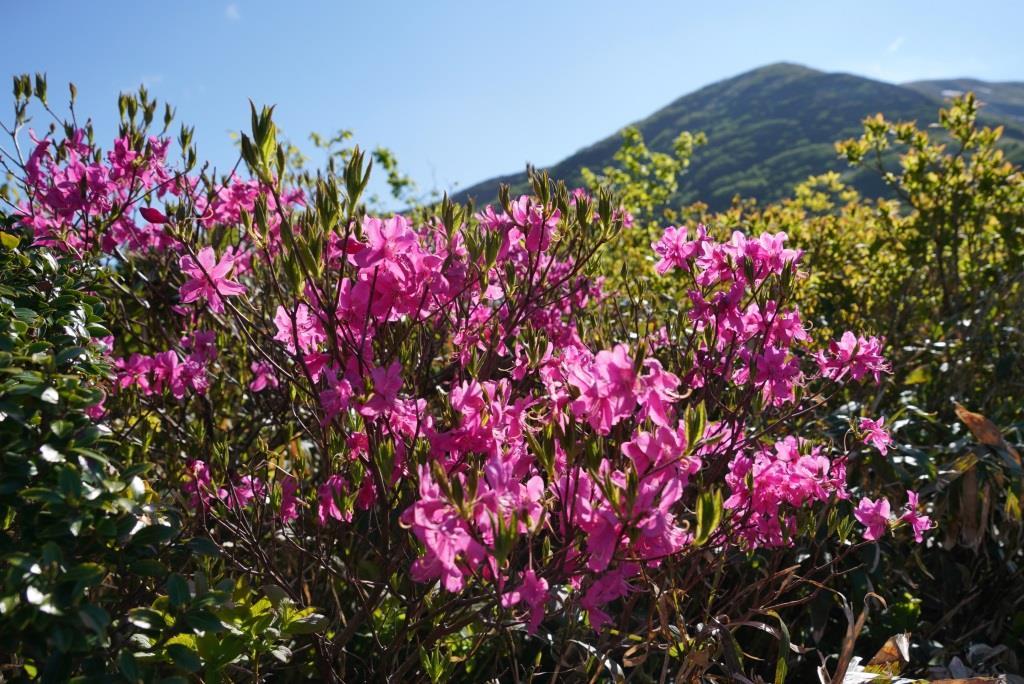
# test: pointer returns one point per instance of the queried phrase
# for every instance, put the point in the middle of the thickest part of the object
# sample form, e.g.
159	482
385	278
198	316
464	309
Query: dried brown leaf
984	430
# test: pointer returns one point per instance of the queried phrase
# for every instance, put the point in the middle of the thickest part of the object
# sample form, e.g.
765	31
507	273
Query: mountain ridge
771	127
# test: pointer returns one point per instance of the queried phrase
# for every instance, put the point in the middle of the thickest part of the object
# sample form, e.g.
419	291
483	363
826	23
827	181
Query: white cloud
896	44
232	12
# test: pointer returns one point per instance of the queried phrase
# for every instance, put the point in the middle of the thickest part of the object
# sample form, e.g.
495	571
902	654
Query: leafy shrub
443	435
88	547
80	532
937	273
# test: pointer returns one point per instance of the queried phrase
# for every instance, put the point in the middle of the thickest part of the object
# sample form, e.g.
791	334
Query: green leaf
184	657
9	241
709	515
146	618
25	315
51	455
203	546
87	573
696	420
154	534
129	668
282	653
782	665
203	620
177	590
95	618
309	623
69	354
148	567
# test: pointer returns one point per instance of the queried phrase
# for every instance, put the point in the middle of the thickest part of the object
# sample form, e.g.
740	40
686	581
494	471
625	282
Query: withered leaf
984	430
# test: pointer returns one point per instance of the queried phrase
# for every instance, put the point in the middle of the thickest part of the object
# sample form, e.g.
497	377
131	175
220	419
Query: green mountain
771	128
1001	100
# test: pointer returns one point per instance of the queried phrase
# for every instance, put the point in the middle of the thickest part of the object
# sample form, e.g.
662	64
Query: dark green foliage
80	532
87	548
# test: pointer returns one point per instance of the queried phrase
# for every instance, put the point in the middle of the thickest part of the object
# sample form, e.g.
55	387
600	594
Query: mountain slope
767	130
1001	100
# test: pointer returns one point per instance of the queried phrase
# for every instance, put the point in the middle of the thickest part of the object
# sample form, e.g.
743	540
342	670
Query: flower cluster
876	516
168	370
70	189
444	374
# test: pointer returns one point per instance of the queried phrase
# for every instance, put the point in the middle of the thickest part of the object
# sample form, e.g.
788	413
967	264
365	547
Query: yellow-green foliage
936	269
646	181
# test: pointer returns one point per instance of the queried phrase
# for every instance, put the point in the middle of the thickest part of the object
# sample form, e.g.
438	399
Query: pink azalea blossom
247	489
386	383
874	515
918	523
335	398
153	215
534	593
875	434
676	249
200	487
289	502
855	356
328	495
263	376
208	278
307	333
606	388
656	390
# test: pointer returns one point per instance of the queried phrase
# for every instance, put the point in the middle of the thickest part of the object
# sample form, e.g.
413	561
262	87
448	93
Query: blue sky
463	91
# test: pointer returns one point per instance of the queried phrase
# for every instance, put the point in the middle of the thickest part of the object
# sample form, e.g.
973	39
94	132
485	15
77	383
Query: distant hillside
767	130
1001	100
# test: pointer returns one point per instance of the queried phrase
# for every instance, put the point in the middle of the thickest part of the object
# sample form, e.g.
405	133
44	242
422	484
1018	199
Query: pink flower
919	523
610	586
306	334
386	383
328	495
676	249
168	373
874	515
854	356
606	388
97	410
335	398
776	480
656	391
203	344
209	278
534	593
247	489
200	486
529	216
451	551
385	239
263	376
777	375
134	370
875	434
289	502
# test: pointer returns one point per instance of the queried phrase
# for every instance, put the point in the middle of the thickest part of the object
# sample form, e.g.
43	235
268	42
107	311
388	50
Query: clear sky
463	91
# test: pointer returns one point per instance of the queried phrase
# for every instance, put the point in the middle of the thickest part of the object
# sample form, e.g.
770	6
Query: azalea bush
441	446
933	269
